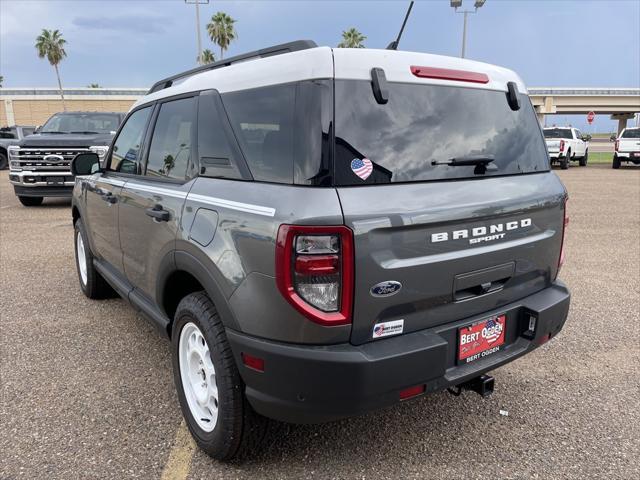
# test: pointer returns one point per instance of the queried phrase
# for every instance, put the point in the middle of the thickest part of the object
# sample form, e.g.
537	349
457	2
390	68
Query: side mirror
612	138
37	129
85	164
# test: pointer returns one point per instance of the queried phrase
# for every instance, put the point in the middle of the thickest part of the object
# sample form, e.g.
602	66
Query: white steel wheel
198	377
82	258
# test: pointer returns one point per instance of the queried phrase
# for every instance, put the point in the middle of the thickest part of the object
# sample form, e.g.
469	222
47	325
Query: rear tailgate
456	238
553	146
626	145
399	236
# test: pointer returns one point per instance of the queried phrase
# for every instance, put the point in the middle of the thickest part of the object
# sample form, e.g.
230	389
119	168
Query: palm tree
221	31
94	85
352	38
50	44
207	57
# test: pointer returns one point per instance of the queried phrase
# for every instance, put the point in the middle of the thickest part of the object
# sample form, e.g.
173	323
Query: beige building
33	106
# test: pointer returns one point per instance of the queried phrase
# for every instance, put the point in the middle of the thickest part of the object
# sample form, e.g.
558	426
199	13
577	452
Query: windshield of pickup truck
557	133
631	133
82	123
422	128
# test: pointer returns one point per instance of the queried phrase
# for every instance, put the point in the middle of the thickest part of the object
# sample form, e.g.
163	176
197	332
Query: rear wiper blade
87	132
466	161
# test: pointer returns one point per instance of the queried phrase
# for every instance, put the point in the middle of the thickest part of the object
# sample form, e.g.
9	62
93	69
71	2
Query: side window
216	146
263	121
578	134
170	150
125	157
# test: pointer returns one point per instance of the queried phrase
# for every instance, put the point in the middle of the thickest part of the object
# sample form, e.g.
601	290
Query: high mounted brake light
448	74
314	271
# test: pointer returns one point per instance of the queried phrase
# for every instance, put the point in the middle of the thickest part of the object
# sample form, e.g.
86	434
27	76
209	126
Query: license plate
481	339
55	181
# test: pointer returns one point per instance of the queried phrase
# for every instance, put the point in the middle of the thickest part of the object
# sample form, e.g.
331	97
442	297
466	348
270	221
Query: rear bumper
633	156
313	384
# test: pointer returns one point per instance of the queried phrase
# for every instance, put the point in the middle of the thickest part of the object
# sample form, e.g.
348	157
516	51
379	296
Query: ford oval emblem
53	158
385	289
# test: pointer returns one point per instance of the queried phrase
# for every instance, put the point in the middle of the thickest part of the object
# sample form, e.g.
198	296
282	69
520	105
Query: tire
564	162
4	163
234	429
30	201
91	282
585	159
616	162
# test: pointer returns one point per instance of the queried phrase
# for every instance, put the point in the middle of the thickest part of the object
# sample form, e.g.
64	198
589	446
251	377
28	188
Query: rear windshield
633	133
422	126
557	133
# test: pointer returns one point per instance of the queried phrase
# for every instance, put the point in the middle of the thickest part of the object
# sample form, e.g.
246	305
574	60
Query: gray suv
322	232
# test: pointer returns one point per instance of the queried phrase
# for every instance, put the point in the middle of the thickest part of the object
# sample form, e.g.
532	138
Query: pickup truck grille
47	159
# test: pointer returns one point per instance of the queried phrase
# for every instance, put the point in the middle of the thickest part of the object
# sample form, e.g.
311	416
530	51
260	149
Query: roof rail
262	53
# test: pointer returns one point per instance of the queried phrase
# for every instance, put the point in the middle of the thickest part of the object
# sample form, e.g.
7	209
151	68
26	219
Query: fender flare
186	262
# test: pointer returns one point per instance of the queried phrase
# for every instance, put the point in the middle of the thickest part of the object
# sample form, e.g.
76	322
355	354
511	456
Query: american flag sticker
362	167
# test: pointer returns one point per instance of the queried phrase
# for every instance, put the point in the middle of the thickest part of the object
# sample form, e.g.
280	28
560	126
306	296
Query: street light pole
198	37
464	34
458	3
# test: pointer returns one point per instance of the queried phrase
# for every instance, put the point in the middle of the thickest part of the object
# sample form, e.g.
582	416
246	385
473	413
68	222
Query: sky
132	43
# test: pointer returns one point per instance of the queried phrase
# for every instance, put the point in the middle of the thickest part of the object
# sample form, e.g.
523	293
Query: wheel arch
187	275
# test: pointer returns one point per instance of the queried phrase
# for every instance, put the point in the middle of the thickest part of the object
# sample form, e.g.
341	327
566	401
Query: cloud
138	24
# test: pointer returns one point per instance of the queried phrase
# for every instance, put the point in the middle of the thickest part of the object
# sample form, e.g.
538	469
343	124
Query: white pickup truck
566	143
627	148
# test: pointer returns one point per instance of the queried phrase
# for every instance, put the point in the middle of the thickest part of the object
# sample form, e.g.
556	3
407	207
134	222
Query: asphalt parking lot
87	388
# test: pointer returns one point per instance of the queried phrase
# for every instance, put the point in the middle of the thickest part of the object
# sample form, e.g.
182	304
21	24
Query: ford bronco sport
322	232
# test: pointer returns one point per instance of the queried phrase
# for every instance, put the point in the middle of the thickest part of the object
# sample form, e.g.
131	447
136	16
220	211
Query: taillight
562	145
617	145
564	234
314	271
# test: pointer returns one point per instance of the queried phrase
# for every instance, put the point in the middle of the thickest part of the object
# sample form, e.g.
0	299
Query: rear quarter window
422	124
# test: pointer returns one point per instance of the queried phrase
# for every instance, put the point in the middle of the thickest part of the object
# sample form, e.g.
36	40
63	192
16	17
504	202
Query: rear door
152	202
457	240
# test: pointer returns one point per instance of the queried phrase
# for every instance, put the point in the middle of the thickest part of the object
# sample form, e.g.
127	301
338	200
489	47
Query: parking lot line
179	462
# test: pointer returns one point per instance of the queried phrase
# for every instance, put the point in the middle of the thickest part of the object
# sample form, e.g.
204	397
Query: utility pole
458	3
198	36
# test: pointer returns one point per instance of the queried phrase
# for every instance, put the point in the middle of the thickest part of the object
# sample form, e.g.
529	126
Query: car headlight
99	150
14	164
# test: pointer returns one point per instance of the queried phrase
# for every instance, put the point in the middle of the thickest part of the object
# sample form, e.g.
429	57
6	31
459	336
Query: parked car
40	163
565	144
627	147
8	136
322	232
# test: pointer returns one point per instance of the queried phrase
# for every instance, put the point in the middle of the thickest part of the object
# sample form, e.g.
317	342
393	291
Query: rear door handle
158	213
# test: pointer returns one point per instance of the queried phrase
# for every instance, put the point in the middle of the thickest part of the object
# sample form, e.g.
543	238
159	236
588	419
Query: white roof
350	63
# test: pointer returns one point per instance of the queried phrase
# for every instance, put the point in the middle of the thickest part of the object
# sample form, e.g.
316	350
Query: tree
50	44
352	38
207	57
1	80
221	31
94	85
